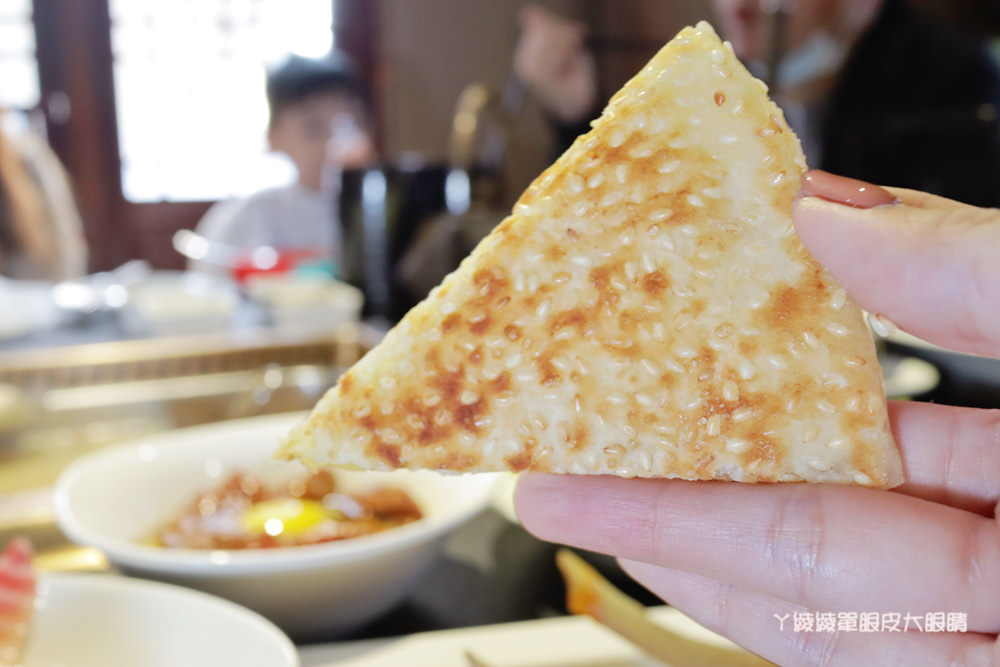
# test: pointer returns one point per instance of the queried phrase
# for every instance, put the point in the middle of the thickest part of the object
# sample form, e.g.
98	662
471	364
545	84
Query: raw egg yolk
283	516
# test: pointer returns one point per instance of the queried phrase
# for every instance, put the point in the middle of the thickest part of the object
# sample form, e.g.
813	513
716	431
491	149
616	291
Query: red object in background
17	598
284	261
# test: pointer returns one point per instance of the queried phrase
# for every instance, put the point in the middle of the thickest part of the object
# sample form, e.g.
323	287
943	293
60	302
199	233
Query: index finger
930	264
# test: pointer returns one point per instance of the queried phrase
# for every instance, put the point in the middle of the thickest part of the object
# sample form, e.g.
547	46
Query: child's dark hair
297	79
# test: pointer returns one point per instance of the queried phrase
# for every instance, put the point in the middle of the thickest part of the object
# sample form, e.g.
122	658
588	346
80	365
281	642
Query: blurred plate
15	328
179	303
27	309
103	620
306	303
907	377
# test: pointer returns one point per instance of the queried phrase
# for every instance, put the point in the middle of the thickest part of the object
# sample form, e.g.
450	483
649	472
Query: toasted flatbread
647	310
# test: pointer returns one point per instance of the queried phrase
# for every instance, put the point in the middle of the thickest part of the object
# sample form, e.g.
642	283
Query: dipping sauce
243	514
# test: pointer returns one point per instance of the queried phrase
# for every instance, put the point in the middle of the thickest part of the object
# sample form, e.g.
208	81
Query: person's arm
220	224
63	217
42	235
749	561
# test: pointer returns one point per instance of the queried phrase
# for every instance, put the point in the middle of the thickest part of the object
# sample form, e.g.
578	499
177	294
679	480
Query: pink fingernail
843	190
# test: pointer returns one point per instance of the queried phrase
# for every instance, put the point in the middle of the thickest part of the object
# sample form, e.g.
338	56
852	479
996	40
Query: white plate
105	621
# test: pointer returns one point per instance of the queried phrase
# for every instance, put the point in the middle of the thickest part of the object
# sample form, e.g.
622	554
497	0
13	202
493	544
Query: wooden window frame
76	83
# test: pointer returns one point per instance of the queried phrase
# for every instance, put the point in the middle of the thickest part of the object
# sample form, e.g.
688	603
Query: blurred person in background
41	235
319	118
874	89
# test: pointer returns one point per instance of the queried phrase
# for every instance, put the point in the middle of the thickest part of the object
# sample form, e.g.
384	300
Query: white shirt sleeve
283	217
220	224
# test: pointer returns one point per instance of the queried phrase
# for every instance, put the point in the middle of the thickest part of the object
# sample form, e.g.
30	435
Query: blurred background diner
209	208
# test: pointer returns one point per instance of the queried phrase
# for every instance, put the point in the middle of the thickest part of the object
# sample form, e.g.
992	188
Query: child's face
302	131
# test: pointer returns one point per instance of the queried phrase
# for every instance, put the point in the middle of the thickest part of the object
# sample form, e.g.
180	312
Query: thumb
930	264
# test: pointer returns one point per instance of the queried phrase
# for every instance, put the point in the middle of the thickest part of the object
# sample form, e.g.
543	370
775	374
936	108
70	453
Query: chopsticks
588	593
474	660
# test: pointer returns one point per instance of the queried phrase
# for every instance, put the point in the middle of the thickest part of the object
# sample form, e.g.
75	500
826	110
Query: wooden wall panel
74	67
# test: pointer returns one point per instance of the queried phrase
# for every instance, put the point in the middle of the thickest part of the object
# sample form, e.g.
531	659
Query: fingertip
827	227
830	208
817	220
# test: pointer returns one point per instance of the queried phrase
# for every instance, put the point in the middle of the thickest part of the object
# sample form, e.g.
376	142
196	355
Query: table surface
321	655
554	642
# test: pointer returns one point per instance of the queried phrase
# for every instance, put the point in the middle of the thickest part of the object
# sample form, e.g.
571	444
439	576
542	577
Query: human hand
739	557
552	59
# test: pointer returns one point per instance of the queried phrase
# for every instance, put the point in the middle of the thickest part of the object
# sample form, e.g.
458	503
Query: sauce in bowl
243	513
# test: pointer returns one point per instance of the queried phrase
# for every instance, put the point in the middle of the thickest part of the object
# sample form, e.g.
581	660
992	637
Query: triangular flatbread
647	310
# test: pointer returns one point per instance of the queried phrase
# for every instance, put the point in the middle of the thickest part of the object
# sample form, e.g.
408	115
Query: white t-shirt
289	216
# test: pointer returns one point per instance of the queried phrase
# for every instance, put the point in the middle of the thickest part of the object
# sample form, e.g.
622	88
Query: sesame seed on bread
646	311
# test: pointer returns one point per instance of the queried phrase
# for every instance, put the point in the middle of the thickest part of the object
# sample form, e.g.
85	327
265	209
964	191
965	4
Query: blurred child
319	119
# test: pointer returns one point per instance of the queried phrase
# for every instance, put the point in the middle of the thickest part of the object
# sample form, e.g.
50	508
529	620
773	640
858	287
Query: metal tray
58	404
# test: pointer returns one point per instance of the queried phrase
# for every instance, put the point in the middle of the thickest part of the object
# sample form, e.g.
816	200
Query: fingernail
843	190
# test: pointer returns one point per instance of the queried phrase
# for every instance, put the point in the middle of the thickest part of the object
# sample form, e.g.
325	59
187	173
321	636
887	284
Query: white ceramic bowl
88	620
113	498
